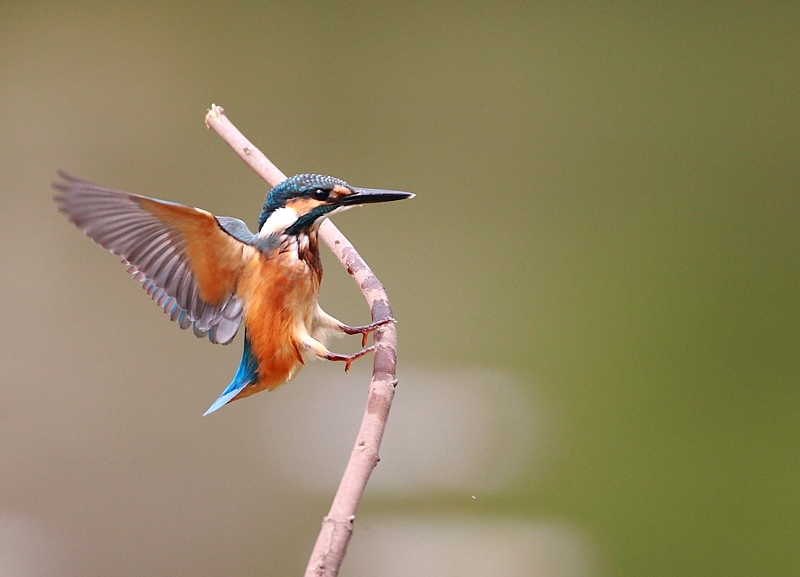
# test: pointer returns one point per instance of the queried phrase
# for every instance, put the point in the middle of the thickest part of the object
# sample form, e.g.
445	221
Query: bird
212	274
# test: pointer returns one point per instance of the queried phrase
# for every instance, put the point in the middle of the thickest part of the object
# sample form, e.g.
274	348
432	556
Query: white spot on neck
341	209
318	222
277	223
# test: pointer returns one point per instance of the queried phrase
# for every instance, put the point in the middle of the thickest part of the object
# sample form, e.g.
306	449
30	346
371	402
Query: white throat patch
277	223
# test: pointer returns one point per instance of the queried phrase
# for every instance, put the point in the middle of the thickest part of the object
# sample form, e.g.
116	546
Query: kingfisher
211	273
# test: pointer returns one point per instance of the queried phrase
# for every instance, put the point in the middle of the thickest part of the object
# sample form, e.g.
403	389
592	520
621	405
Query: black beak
370	195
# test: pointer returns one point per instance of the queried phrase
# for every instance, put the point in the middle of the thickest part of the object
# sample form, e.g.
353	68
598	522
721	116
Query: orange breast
279	295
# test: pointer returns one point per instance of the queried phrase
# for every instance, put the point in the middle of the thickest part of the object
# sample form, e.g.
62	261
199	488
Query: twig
337	526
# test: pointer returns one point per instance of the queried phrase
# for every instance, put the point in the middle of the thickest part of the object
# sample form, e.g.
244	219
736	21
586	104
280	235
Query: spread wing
186	259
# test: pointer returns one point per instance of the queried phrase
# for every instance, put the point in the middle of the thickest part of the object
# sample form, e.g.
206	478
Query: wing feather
186	260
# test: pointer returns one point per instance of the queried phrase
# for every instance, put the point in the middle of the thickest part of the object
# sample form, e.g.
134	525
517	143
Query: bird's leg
312	345
348	359
326	321
365	330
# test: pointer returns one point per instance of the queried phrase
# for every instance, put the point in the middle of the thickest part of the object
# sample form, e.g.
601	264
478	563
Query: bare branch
337	526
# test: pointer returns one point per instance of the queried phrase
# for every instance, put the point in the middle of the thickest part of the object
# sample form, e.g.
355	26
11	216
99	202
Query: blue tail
245	375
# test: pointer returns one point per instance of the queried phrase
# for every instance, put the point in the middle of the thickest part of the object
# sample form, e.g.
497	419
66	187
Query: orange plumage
212	274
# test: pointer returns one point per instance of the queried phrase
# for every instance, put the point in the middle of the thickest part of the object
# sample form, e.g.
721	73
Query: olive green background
607	210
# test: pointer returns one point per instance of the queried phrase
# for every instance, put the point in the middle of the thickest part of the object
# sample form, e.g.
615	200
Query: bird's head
300	203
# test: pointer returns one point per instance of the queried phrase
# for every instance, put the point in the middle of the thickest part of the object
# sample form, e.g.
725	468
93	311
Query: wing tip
62	187
70	180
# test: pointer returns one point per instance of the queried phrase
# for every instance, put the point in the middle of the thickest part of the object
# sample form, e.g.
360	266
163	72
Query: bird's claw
348	359
365	330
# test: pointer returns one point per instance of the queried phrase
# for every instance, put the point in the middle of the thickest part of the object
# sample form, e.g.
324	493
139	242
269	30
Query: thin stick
337	526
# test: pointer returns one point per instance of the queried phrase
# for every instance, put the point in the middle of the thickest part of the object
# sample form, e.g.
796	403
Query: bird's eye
320	194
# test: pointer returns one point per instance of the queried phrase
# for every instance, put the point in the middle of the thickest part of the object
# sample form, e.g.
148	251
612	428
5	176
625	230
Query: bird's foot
348	359
366	329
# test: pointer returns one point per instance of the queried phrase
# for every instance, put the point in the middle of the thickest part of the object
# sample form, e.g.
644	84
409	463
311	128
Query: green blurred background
607	222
